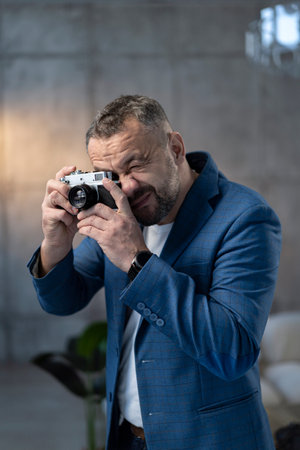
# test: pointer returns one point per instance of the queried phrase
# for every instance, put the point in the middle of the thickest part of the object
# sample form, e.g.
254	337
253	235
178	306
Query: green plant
81	369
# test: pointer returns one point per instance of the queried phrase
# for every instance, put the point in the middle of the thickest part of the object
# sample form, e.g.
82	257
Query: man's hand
117	232
59	222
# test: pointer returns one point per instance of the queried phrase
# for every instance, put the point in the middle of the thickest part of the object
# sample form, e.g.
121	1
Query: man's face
146	168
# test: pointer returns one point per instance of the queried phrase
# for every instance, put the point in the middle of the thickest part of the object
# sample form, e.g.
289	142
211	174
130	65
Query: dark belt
137	431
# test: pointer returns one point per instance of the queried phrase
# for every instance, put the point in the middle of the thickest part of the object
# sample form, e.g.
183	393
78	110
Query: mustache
139	193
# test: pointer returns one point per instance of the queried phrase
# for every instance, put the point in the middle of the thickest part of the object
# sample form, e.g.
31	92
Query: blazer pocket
234	403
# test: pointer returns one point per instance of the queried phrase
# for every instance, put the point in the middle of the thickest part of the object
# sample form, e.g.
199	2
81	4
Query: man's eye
136	166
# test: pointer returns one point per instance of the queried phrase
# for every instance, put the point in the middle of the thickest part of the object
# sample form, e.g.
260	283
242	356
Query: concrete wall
61	61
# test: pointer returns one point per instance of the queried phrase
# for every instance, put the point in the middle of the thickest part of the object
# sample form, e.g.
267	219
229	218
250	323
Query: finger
118	196
100	210
64	171
54	185
58	200
90	231
57	215
93	221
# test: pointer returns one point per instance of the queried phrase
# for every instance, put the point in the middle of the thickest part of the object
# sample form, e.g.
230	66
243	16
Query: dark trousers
128	441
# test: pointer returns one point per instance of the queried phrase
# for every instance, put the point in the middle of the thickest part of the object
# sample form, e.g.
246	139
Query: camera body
87	189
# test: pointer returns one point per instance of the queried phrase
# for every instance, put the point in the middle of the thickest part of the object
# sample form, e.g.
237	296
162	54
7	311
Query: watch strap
138	262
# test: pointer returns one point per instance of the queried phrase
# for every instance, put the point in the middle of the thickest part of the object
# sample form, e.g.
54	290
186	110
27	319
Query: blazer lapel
196	208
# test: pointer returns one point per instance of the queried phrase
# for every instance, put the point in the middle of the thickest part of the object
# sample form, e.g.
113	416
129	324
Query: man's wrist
49	257
138	262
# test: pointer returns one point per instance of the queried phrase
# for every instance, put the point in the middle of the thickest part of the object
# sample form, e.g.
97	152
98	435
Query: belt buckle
137	431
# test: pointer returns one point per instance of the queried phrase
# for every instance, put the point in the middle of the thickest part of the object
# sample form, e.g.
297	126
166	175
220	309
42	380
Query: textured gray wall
61	61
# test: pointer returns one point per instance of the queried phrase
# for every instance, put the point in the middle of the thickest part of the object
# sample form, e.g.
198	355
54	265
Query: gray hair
111	119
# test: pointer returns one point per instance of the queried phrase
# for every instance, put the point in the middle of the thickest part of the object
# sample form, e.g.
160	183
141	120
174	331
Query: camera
87	189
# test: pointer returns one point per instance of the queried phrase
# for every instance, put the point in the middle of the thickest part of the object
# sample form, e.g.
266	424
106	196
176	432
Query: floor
38	413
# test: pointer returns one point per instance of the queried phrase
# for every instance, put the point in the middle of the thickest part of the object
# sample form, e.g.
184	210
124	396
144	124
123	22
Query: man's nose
128	185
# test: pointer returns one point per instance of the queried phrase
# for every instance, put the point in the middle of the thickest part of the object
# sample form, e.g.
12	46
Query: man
189	262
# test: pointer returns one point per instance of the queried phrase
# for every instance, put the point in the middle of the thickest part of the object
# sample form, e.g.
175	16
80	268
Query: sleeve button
160	322
140	306
147	312
153	317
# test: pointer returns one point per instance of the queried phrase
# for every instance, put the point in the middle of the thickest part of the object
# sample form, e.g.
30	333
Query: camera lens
78	198
83	196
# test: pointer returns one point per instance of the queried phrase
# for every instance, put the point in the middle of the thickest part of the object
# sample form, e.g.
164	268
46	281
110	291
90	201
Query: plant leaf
93	338
59	367
75	359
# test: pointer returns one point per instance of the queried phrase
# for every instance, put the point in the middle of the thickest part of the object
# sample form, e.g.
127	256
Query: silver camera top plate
79	177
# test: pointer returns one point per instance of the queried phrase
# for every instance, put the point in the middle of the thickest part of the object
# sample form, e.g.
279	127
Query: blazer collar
196	208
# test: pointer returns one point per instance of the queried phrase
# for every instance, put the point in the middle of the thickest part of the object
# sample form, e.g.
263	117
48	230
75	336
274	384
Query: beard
165	197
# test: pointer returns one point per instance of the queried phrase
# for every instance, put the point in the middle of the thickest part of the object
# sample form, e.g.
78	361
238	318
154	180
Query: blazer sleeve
72	283
220	329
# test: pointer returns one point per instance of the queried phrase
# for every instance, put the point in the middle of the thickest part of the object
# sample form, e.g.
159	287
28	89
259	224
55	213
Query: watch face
141	258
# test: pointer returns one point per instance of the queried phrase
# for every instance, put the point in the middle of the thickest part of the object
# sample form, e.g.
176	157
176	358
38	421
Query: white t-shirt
155	237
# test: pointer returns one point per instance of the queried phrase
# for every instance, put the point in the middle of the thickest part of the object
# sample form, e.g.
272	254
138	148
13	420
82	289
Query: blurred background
61	62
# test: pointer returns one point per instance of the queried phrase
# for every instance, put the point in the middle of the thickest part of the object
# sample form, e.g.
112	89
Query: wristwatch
138	263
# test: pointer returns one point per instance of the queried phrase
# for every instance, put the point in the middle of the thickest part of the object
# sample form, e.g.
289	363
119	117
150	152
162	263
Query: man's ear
177	147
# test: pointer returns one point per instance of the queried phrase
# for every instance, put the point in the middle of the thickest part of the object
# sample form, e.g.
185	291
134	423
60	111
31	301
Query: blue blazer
204	304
